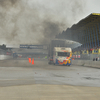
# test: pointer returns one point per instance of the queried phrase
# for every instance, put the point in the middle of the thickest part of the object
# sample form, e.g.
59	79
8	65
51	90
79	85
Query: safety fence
86	56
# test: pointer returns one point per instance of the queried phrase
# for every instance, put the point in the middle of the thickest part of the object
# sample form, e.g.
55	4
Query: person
45	57
93	59
96	59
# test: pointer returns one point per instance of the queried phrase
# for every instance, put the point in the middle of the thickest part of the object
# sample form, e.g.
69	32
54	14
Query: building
86	32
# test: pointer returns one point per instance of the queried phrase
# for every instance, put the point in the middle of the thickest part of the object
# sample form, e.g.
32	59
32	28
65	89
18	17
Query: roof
86	20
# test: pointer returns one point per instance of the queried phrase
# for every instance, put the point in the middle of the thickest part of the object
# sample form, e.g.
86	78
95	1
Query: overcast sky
92	6
38	21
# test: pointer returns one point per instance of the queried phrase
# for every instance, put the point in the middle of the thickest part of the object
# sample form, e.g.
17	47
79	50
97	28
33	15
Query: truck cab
61	56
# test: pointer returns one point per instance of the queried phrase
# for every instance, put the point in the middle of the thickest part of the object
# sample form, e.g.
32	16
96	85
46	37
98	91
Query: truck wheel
49	63
68	65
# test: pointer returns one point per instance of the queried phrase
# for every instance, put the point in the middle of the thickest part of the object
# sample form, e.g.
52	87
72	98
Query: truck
58	53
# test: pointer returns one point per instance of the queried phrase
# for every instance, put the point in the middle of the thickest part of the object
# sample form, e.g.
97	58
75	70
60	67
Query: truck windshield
65	54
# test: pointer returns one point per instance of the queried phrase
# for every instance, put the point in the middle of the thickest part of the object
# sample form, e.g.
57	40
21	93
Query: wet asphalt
42	73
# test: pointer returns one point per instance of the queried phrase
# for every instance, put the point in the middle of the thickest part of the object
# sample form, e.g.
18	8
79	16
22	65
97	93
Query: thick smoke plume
36	21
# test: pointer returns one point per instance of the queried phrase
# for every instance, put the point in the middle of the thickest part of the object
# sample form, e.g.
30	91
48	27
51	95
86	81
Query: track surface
42	73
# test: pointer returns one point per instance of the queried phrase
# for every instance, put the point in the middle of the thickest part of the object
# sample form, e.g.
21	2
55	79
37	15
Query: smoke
51	30
6	3
36	21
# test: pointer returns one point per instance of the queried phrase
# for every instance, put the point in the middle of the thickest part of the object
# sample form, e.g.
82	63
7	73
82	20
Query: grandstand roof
86	20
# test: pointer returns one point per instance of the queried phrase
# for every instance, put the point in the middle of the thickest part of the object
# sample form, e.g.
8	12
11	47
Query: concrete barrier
22	63
14	63
4	57
87	63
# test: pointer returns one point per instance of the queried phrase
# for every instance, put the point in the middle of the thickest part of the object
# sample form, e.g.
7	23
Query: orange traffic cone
29	59
32	61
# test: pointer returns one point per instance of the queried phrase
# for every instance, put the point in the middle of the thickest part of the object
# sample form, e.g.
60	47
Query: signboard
32	46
